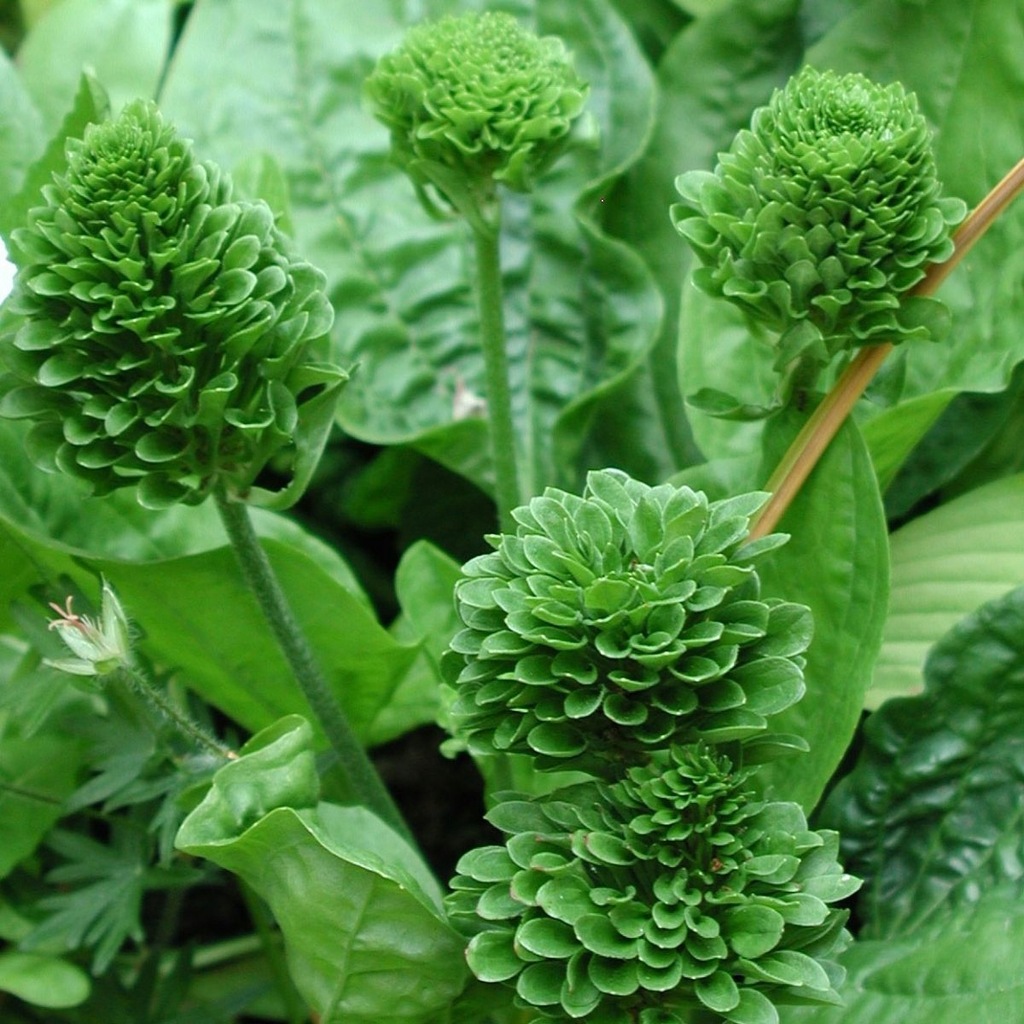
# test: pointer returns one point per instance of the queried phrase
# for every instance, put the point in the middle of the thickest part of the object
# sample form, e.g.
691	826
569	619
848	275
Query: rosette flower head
822	216
619	621
476	99
166	336
674	895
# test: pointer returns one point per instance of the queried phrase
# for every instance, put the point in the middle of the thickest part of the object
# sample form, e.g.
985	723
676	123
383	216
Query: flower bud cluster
165	333
476	99
616	623
672	891
822	216
622	633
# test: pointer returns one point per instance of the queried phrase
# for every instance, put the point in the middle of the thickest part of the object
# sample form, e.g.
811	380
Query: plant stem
153	695
360	775
823	424
499	395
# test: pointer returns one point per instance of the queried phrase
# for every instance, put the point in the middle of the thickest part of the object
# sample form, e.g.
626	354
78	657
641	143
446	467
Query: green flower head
673	892
166	335
822	216
615	623
474	99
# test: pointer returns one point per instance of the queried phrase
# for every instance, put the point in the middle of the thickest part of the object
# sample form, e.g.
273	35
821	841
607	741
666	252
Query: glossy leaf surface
944	565
22	137
43	980
930	816
124	43
965	967
366	939
837	563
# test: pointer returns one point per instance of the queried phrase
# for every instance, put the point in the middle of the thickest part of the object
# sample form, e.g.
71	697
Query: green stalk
817	433
499	396
360	775
154	696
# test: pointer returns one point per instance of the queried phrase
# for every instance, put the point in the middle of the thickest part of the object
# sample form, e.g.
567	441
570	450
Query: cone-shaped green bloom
822	215
475	99
615	623
166	335
671	892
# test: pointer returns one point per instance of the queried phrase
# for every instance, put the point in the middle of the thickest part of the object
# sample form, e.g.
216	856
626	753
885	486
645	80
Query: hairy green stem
499	395
156	698
360	775
817	433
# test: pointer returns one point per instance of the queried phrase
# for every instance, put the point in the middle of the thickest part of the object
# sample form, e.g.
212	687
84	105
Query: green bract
671	891
475	99
166	332
822	215
617	622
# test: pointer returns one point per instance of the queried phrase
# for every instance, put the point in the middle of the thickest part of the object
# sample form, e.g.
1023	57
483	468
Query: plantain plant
719	784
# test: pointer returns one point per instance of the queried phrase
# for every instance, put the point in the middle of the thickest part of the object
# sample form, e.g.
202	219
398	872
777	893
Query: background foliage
606	339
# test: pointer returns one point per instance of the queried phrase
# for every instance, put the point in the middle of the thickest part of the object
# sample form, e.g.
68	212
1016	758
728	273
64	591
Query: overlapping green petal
670	892
617	622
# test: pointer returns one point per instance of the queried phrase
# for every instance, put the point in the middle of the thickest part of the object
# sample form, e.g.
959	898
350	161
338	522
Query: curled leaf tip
476	99
822	216
168	333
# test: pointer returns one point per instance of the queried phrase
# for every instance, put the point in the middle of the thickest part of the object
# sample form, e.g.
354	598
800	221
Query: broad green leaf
1002	454
43	980
22	136
837	563
36	776
930	815
123	42
365	934
55	507
892	433
817	17
975	439
944	565
425	584
702	8
90	104
655	23
260	177
399	281
968	966
719	350
711	77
